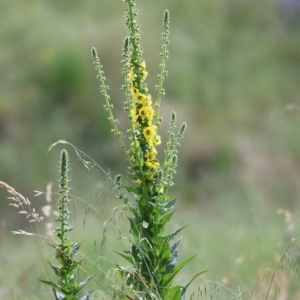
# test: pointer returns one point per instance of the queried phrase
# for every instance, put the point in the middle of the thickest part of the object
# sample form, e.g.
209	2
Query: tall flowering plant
66	287
152	253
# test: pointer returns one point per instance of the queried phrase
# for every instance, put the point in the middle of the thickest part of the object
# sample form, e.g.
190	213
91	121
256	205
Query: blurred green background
233	77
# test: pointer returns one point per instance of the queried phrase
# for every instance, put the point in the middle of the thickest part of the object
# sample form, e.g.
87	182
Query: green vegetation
66	287
233	78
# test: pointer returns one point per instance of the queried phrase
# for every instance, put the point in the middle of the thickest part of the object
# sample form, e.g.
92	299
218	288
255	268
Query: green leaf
127	257
187	285
168	205
172	263
134	211
86	297
166	218
164	251
63	271
176	232
54	285
71	297
76	247
58	295
174	293
136	190
83	283
144	250
140	155
133	227
169	277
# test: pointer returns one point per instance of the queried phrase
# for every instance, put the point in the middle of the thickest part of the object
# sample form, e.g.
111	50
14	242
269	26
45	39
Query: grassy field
233	77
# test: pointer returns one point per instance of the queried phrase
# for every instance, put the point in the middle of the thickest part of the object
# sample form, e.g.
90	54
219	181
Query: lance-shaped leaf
169	277
127	257
183	290
58	295
164	250
86	297
168	205
136	190
55	286
174	293
83	283
176	232
172	263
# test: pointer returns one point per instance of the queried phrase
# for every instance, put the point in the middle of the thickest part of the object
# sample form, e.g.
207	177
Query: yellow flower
133	114
157	140
136	124
131	76
150	113
144	112
149	132
147	101
145	74
135	91
135	144
152	165
139	98
151	155
143	64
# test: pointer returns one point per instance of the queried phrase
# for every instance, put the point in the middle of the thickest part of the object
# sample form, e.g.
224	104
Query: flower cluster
141	116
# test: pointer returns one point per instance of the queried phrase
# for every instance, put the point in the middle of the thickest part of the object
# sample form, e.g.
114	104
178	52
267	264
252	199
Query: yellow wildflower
135	143
157	140
145	74
143	64
131	76
147	101
152	165
150	113
144	112
136	125
151	155
133	114
139	98
149	132
135	91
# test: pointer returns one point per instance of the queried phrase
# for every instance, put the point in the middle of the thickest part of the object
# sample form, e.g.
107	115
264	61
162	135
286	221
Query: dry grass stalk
20	202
